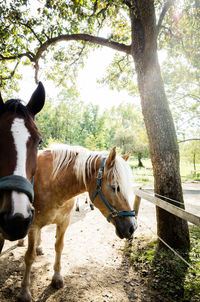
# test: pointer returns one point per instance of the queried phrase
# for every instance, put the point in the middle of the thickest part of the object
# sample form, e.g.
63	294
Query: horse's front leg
57	280
39	250
25	295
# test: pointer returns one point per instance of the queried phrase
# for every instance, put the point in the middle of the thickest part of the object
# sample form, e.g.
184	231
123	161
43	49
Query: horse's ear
37	100
1	103
126	156
111	158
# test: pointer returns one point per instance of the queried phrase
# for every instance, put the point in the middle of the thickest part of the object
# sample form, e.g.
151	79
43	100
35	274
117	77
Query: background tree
59	121
131	29
130	133
92	128
124	139
180	37
190	151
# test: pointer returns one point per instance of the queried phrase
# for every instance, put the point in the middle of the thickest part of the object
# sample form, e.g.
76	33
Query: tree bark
158	120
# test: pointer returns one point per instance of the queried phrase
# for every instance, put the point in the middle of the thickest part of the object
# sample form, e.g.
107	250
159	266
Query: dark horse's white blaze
20	133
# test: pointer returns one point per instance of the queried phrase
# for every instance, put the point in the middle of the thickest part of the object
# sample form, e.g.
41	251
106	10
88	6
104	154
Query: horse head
19	141
113	195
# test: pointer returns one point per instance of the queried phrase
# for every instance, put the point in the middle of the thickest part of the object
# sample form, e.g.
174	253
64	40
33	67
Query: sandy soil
93	263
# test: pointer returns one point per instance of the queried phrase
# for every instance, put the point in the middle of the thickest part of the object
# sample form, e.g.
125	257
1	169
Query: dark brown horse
64	172
19	141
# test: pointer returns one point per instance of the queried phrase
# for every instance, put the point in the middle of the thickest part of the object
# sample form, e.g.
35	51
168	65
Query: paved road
191	192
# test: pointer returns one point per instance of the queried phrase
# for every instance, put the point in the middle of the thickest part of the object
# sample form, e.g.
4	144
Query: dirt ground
94	267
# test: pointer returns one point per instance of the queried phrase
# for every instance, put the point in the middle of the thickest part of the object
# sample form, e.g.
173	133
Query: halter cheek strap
98	190
17	183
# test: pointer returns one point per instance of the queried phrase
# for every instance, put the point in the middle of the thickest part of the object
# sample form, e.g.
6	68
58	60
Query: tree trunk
140	164
158	120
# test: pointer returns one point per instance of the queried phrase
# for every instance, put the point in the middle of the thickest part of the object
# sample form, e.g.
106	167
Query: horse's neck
71	184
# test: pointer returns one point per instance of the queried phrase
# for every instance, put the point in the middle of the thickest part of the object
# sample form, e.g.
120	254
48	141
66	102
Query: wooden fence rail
164	205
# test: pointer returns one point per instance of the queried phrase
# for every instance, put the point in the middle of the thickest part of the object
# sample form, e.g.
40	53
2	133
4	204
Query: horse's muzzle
125	226
14	227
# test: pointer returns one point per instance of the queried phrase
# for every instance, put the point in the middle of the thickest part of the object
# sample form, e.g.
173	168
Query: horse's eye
40	142
115	188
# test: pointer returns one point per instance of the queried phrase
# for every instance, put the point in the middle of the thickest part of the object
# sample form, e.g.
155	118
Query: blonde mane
120	173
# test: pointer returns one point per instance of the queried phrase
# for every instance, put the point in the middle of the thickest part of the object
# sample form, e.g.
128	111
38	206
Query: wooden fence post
136	204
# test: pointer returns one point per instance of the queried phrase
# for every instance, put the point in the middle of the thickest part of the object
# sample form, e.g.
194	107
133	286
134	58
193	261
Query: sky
90	91
93	92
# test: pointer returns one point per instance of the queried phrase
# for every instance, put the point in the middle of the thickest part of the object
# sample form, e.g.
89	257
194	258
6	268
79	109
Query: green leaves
120	75
68	120
25	28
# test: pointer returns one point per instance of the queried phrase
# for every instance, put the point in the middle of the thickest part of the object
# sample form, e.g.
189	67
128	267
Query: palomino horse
64	172
19	140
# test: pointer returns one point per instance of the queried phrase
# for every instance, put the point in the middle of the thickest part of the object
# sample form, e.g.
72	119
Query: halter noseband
17	183
113	213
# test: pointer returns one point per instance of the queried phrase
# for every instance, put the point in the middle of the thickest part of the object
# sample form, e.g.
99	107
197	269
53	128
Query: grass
165	272
144	175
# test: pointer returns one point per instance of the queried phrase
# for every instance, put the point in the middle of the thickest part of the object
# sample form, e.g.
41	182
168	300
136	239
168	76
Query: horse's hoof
39	251
24	297
57	282
20	242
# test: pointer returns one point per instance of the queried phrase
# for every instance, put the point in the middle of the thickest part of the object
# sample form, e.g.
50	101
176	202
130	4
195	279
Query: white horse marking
20	135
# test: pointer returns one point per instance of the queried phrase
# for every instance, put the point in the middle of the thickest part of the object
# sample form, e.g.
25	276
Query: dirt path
93	264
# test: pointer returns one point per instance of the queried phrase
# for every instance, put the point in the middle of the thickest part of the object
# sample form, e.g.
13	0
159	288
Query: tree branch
28	54
129	4
166	6
74	37
193	96
82	37
10	76
189	139
94	9
77	37
31	29
36	72
79	55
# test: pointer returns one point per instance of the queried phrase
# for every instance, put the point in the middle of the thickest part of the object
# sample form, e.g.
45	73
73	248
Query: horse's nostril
131	229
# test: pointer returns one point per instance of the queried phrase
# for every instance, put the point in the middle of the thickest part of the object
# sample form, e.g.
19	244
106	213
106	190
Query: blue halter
113	213
17	183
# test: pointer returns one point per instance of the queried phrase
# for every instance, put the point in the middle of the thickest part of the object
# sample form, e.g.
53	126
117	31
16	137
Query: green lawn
144	176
